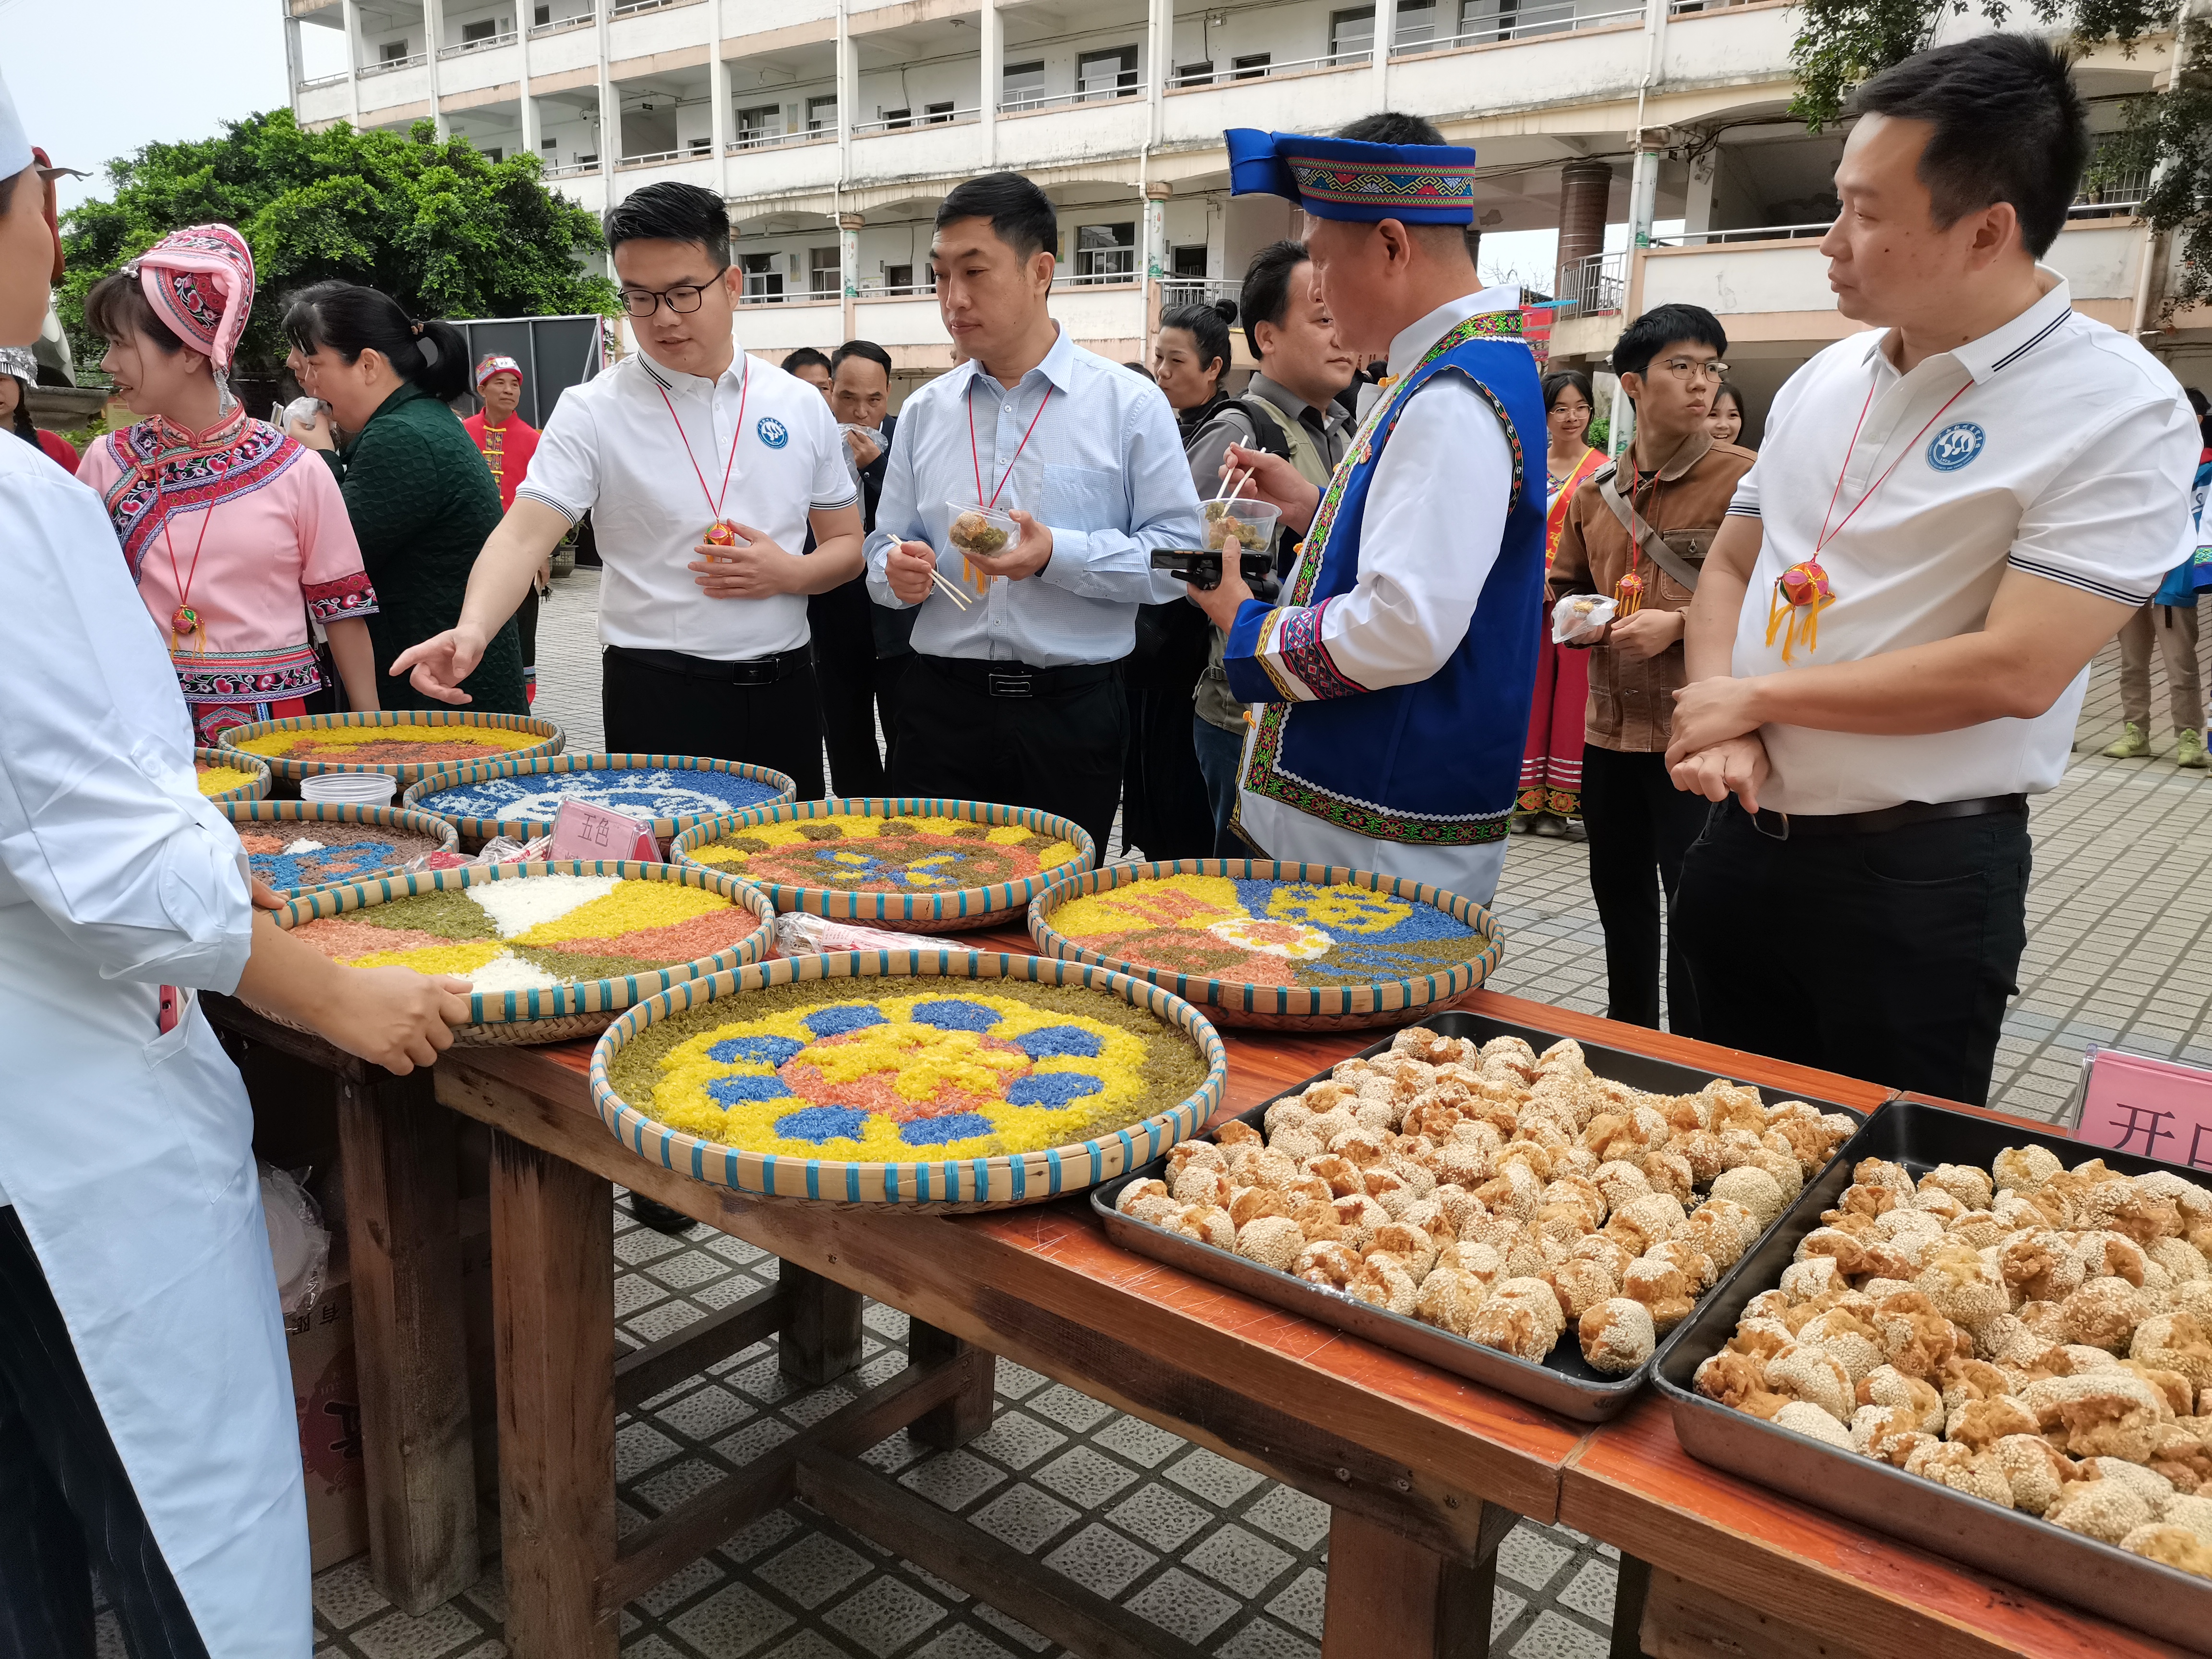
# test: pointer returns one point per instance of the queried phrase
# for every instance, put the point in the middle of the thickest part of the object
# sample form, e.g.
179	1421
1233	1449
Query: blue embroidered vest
1434	763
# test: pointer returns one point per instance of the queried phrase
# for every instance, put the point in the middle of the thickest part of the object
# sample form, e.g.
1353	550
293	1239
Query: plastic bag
500	850
438	860
798	934
299	1243
1580	617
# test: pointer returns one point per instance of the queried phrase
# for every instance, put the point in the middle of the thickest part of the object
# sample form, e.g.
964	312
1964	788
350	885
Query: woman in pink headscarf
233	542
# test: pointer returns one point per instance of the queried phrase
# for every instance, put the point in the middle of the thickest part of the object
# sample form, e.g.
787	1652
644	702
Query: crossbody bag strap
1642	534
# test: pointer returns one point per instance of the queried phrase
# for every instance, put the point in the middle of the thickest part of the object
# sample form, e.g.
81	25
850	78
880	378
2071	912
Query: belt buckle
1010	685
1764	813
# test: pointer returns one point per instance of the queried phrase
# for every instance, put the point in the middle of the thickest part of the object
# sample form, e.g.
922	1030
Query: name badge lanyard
1628	591
721	532
975	455
1804	587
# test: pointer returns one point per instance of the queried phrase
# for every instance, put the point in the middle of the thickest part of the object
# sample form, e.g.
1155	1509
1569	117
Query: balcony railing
1531	22
390	65
582	20
573	170
898	290
491	42
1271	70
745	140
1027	102
322	81
662	157
944	118
1745	233
1595	286
1176	292
631	8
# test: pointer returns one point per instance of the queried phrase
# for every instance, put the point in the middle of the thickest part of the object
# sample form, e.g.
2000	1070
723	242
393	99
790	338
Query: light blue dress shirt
1103	470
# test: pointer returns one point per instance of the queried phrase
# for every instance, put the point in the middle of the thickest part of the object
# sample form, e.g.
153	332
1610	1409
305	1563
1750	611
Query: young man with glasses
703	471
1637	533
1891	639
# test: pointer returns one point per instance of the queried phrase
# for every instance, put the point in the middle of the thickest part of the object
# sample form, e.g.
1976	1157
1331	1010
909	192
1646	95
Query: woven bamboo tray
422	795
326	812
1283	1007
956	910
236	762
953	1187
583	1009
289	771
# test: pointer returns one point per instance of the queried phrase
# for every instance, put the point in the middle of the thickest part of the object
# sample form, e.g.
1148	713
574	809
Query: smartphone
1203	569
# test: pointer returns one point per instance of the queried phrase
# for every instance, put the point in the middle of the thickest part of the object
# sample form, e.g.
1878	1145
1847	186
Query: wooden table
1424	1472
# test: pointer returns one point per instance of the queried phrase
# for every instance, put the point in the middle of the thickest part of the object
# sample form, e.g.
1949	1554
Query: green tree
437	224
2167	136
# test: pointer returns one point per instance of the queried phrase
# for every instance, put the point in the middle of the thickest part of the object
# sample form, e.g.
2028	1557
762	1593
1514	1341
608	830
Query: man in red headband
508	442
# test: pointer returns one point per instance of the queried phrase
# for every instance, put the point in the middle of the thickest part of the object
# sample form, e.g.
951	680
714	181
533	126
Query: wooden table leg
1632	1588
1386	1595
553	1308
968	1414
403	1239
821	1327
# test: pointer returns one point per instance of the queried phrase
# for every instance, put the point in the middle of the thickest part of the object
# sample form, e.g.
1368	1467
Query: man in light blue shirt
1018	698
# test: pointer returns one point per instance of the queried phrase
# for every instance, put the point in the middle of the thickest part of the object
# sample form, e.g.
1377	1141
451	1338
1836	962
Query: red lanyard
975	455
186	621
744	389
1828	535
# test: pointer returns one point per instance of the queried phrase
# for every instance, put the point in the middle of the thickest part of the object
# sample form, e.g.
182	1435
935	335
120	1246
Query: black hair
1567	380
670	212
116	307
1729	389
865	349
2197	401
350	319
1391	128
1022	215
1659	328
807	357
1139	368
1266	294
2009	127
25	429
1207	325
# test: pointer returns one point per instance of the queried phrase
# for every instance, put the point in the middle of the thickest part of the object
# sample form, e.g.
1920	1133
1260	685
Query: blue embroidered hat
1347	179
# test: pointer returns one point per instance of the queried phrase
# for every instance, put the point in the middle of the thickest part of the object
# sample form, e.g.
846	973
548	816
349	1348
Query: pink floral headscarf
199	281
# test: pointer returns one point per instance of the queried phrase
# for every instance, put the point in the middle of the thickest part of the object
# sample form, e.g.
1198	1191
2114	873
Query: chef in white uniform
133	1257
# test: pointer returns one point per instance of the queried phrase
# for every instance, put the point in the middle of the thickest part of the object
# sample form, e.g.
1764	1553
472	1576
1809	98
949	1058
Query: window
700	146
1106	253
760	121
823	274
1417	25
541	17
1108	74
898	278
1022	86
549	143
482	31
495	155
762	280
822	114
390	51
1251	66
587	159
937	114
1194	74
1352	34
898	118
1188	261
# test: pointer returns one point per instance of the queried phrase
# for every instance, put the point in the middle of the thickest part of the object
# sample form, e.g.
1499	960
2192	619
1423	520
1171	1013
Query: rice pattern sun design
1257	932
855	853
892	1078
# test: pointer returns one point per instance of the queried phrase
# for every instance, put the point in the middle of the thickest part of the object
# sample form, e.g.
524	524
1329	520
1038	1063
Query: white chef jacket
126	1153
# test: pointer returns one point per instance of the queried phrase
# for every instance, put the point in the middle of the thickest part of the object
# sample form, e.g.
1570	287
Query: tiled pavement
1202	1547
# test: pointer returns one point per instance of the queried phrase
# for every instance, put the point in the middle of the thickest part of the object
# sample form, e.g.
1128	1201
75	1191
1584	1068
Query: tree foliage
439	225
2166	137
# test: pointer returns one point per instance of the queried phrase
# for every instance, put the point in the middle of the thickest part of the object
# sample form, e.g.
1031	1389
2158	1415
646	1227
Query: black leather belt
748	671
1787	826
1018	679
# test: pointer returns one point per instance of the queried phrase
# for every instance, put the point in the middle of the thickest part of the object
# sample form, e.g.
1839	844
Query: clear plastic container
980	530
1253	524
351	788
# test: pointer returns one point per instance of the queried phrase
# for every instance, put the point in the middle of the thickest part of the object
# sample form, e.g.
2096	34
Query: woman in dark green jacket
419	495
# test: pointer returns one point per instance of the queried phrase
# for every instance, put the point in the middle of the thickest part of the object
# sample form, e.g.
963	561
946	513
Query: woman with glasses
420	497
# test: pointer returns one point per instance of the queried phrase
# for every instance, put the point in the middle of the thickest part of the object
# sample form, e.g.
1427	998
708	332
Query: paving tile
1530	1558
811	1409
1100	1560
1084	1477
687	1269
1070	1409
640	1447
1504	1608
812	1570
962	1642
345	1595
761	1536
753	1439
1554	1636
733	1622
1017	1439
1590	1591
1212	1477
1299	1603
673	1591
712	1410
1300	1520
634	1292
1263	1638
1163	1519
1243	1561
403	1636
885	1616
1182	1606
659	1324
1024	1517
952	1479
678	1484
1011	1627
808	1645
1139	1441
1017	1381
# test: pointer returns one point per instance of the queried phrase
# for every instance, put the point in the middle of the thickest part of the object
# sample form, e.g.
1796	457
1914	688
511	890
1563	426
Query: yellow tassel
1628	595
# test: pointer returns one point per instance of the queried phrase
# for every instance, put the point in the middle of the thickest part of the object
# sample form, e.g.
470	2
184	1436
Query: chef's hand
755	568
1276	482
1737	767
438	665
866	447
1647	633
1221	601
394	1017
265	897
907	569
1025	558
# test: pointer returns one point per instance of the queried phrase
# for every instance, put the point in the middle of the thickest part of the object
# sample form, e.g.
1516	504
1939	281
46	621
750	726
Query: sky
95	79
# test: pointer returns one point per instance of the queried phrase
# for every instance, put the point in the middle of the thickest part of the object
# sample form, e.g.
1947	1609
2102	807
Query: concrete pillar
293	74
848	89
353	60
1584	186
990	78
849	267
1386	30
433	30
1156	255
718	95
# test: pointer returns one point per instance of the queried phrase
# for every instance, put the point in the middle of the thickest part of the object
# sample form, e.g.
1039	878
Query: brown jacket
1631	704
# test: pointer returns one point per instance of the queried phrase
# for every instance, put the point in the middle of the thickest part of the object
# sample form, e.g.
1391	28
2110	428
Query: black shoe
651	1212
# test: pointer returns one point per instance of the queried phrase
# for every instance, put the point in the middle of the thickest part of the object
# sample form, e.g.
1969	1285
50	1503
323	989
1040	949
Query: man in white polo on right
1949	517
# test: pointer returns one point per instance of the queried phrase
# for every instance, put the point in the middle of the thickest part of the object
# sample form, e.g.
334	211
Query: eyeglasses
1690	368
642	302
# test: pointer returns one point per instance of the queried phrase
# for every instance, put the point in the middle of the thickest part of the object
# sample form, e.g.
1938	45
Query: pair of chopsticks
948	589
1230	486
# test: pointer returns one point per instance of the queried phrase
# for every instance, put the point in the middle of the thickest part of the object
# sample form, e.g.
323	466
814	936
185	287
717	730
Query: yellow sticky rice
222	780
279	743
459	960
854	827
1195	901
914	1061
633	906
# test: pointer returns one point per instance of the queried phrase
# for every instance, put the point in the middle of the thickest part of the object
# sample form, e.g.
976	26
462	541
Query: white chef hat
14	147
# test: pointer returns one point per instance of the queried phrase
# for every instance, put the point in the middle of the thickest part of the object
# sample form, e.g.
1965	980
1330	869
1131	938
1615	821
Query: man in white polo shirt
1948	520
703	471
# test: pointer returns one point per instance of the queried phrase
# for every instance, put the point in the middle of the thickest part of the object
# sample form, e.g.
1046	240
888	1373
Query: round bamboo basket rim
957	909
579	997
946	1186
420	794
552	741
1283	1008
235	760
333	811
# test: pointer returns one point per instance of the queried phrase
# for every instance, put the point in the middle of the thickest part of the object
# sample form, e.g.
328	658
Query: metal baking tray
2102	1579
1564	1382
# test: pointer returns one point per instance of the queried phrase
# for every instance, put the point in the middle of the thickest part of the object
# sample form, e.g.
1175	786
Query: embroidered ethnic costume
1551	763
854	853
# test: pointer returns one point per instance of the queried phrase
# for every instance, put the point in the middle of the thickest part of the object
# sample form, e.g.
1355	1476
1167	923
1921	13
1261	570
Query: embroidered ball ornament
923	865
411	744
952	1079
225	777
1280	947
520	799
553	950
296	845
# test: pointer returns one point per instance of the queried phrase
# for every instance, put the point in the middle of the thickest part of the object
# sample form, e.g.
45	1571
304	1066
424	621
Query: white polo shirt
612	449
2053	445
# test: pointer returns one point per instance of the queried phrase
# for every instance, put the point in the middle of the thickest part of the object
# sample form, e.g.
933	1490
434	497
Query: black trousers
66	1504
1166	807
1887	956
1059	750
649	710
1640	826
852	682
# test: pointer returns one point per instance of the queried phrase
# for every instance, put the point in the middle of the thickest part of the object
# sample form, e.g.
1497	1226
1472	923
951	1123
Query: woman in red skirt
1552	767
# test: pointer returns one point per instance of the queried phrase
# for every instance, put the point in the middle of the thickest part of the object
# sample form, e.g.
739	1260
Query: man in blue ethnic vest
1392	682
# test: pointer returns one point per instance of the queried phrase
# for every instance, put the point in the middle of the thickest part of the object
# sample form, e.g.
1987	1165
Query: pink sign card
581	830
2153	1108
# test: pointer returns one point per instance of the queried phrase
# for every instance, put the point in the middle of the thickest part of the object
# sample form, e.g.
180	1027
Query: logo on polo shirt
1954	445
773	434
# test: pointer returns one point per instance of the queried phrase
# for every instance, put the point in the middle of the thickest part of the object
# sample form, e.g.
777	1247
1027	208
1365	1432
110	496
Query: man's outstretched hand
438	665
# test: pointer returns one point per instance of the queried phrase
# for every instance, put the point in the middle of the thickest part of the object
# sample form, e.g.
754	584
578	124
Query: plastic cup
984	530
1253	524
350	788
